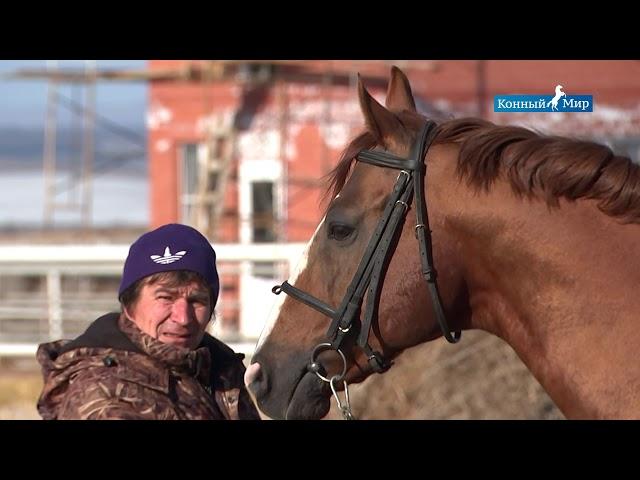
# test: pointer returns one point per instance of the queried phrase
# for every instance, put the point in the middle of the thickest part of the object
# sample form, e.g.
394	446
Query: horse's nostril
252	374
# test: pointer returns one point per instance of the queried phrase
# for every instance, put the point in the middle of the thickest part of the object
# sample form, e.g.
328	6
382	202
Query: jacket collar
191	362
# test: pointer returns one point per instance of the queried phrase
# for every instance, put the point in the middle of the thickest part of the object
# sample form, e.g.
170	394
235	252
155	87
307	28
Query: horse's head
280	377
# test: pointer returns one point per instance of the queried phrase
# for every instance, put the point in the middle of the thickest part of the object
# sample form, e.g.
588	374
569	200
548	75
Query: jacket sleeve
92	399
246	408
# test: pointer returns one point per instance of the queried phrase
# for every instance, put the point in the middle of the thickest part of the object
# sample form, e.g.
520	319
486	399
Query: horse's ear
382	123
399	95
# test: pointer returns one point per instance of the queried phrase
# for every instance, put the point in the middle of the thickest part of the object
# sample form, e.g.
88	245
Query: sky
23	102
118	198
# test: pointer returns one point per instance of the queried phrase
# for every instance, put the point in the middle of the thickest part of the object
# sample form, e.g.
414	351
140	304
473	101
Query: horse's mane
550	167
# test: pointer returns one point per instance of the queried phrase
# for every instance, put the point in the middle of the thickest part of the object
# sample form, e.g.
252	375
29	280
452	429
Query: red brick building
280	127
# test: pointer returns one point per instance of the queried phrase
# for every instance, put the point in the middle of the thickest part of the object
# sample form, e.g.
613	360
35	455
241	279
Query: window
263	224
261	206
189	182
255	72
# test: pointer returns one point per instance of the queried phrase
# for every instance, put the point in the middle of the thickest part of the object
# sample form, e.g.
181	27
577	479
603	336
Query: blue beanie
168	248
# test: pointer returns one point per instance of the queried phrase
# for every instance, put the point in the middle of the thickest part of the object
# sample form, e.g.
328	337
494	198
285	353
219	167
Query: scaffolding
210	163
219	139
214	170
79	172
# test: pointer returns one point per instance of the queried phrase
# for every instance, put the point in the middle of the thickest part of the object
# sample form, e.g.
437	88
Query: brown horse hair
535	165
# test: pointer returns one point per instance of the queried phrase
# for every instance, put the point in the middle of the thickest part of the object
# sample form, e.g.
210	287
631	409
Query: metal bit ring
321	347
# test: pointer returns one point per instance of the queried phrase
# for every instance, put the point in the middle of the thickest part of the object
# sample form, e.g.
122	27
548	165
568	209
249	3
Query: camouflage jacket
115	371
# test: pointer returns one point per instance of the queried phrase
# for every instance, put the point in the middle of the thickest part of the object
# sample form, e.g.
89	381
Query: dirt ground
20	385
479	378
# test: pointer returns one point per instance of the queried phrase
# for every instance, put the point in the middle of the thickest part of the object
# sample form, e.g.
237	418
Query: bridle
370	272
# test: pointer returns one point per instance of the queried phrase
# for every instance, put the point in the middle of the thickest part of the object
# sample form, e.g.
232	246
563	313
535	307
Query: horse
533	238
554	101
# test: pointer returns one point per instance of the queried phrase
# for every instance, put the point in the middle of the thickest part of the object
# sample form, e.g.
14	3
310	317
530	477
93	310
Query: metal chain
345	408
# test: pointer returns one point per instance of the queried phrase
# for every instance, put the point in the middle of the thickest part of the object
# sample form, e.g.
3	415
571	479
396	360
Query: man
153	360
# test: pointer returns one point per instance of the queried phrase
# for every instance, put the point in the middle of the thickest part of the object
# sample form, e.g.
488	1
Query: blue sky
23	102
23	105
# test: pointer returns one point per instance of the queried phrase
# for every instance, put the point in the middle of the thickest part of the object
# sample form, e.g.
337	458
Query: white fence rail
49	292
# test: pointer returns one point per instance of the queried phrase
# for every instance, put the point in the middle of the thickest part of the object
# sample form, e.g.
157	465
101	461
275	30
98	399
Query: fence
48	292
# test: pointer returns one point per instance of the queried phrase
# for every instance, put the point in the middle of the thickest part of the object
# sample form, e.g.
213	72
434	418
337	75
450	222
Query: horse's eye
340	231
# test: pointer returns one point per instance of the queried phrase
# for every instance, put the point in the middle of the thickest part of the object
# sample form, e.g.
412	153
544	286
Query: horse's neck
560	286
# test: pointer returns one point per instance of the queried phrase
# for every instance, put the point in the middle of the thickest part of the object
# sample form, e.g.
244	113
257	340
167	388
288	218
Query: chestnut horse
534	238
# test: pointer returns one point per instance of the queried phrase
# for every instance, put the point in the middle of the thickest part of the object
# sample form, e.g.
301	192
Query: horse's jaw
285	390
311	399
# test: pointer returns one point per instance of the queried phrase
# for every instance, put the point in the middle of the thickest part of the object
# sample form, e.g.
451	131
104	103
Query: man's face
176	315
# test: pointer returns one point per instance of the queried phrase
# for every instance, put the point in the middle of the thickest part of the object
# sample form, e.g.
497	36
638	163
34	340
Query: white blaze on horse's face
277	306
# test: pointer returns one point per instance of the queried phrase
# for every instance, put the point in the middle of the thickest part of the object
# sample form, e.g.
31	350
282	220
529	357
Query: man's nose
181	311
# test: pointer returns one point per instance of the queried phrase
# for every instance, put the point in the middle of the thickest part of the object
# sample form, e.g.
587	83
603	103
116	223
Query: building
239	149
